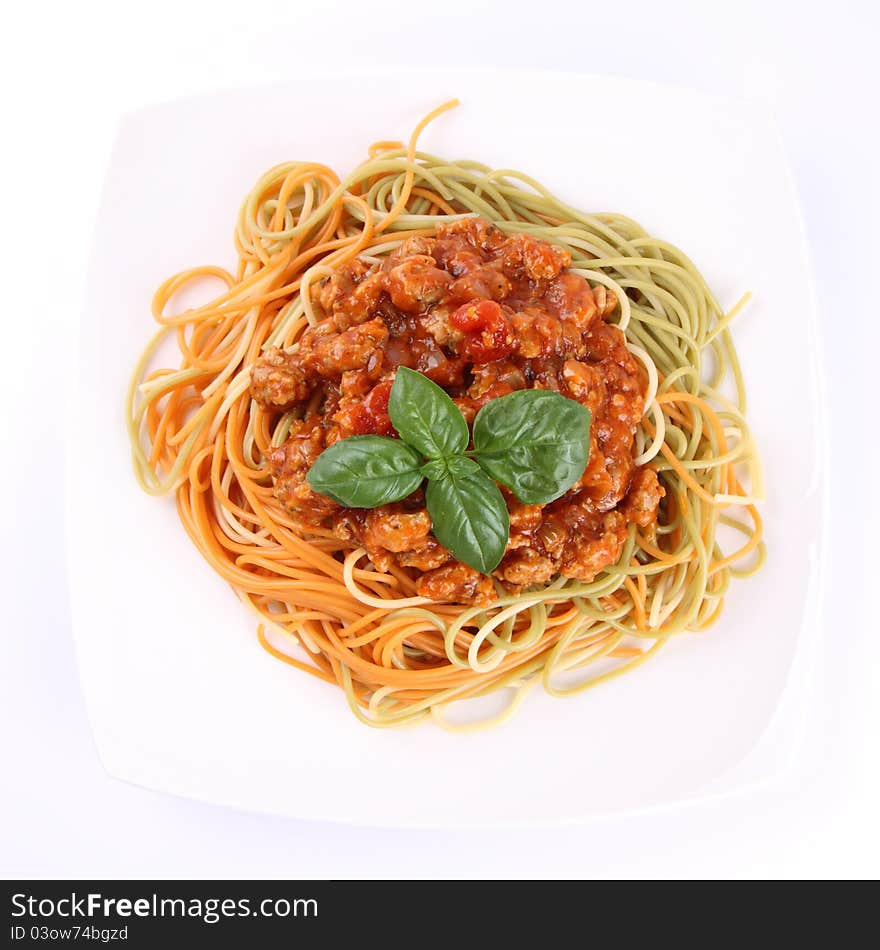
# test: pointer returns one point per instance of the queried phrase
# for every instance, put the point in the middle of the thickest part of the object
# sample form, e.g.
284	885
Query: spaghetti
320	604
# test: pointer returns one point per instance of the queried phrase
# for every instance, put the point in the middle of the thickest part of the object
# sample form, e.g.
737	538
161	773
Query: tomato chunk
376	409
487	336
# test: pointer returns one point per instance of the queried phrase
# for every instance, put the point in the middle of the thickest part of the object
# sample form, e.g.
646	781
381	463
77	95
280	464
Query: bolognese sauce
482	314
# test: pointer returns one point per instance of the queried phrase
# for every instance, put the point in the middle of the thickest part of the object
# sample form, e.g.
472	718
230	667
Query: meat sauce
482	314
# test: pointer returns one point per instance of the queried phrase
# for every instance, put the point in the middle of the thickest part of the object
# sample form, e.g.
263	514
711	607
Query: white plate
181	696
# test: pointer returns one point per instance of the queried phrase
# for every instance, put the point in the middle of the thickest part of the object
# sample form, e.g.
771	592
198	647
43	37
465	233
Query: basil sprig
535	442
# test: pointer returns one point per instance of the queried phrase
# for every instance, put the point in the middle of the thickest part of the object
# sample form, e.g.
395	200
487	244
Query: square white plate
180	695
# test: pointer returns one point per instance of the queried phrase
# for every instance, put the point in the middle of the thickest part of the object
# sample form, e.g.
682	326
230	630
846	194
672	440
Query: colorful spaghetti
320	604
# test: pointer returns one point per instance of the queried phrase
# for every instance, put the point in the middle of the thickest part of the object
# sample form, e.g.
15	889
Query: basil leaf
425	416
533	441
468	514
436	468
365	471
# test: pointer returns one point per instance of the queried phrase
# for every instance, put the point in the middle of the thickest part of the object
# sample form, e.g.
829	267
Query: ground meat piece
544	371
456	583
443	370
395	529
351	294
535	333
627	412
523	517
416	283
584	383
426	558
478	233
584	557
289	464
525	257
568	533
348	524
421	245
444	333
399	351
333	354
499	378
606	478
278	381
362	303
606	344
619	468
550	538
486	282
460	261
643	498
596	481
571	339
518	540
572	298
525	567
423	354
340	285
357	382
624	380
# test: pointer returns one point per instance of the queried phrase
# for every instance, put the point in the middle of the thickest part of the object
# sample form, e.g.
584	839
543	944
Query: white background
67	76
